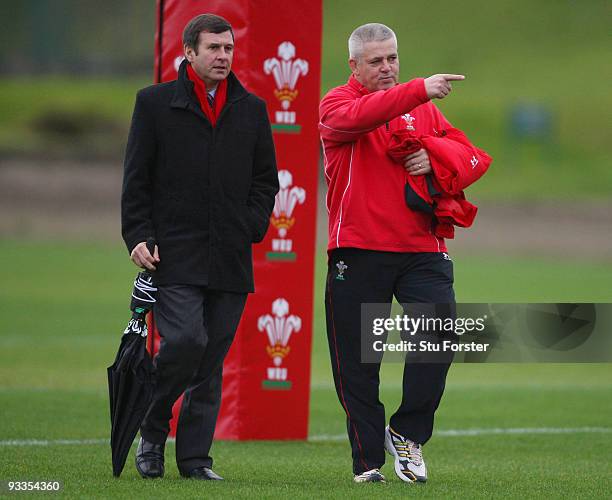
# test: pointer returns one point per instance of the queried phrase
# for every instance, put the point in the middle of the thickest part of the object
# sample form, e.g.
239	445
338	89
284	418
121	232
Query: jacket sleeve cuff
421	92
131	243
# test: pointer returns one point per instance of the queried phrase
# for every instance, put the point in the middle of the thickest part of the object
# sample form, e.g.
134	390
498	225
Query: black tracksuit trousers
375	277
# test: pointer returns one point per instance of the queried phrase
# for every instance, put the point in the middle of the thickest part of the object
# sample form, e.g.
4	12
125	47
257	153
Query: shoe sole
390	449
366	481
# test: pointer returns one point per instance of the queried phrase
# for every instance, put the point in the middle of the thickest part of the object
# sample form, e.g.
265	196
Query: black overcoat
205	194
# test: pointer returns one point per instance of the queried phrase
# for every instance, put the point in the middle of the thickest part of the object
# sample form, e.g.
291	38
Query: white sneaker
409	463
370	476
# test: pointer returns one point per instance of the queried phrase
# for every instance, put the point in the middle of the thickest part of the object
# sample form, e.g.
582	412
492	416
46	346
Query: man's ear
189	53
353	66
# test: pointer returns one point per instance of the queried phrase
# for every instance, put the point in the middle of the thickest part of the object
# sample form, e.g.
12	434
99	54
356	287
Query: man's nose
386	67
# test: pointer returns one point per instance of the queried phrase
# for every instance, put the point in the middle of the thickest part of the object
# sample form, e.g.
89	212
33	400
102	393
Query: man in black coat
200	177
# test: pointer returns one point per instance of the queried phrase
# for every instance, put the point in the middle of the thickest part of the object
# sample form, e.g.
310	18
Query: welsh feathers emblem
287	198
286	71
279	327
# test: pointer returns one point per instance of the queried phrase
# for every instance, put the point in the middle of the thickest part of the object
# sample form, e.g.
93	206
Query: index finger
450	77
149	266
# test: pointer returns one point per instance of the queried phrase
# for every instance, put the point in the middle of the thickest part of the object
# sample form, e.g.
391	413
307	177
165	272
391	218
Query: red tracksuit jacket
365	198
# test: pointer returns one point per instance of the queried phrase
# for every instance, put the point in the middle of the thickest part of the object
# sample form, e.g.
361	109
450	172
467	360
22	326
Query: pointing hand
439	86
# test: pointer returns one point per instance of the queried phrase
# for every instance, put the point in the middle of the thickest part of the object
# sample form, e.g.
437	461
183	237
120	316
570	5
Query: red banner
266	383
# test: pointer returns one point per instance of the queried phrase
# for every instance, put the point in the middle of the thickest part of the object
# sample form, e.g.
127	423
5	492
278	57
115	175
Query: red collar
199	88
354	83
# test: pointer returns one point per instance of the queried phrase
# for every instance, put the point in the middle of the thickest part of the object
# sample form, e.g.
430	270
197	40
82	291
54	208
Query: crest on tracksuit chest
409	121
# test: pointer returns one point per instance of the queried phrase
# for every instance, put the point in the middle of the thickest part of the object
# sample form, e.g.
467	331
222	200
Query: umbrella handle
151	244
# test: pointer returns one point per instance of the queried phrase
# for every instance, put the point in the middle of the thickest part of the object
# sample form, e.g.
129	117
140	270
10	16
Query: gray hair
371	32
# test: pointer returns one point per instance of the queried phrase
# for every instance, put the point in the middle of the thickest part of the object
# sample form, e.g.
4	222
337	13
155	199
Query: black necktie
211	100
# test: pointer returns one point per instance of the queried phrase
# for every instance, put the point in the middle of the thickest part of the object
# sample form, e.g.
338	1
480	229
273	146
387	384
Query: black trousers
356	277
196	326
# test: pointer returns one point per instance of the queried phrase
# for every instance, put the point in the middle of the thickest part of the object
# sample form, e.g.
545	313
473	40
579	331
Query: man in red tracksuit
380	248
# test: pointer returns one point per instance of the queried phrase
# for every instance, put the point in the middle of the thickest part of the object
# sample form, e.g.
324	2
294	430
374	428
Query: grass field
63	306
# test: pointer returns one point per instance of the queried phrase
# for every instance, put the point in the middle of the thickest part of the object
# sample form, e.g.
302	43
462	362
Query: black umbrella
131	377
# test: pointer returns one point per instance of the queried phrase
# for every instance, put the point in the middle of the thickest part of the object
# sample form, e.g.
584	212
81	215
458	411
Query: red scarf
200	90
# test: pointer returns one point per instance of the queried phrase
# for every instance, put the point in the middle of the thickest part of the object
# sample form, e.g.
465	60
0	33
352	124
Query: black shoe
150	459
202	473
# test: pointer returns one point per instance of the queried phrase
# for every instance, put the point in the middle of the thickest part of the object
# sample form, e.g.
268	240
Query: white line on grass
489	432
342	437
51	442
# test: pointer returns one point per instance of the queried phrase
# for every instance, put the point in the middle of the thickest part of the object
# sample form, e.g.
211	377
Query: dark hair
209	23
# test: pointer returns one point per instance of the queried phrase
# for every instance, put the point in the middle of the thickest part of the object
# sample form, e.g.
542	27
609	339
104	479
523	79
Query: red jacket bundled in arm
456	164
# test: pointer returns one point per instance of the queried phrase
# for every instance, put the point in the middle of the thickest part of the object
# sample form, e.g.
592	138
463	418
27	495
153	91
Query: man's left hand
418	163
